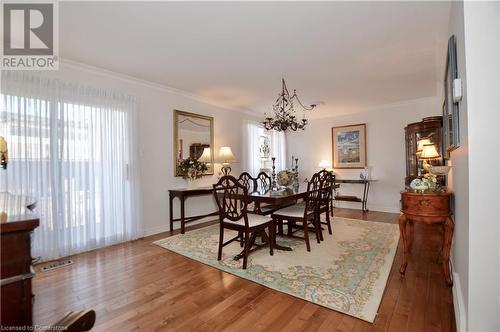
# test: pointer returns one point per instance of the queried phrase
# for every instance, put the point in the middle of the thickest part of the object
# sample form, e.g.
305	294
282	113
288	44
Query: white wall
482	54
155	138
385	148
458	180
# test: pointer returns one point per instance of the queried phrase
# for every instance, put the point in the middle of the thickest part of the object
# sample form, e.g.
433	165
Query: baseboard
177	225
155	230
379	208
459	305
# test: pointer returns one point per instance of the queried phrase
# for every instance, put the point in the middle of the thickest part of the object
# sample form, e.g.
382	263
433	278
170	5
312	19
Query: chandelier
284	113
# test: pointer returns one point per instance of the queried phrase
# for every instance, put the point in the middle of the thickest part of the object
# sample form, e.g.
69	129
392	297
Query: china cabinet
431	128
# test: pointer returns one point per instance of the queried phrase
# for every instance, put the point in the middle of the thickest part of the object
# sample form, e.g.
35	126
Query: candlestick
273	175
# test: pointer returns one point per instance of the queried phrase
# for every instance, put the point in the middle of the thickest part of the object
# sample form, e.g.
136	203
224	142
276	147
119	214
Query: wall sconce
4	153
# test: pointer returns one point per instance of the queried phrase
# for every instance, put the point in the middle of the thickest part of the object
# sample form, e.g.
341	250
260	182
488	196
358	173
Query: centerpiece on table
191	170
428	182
286	178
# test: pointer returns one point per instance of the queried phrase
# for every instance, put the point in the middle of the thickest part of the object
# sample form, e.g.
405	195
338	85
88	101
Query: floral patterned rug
347	272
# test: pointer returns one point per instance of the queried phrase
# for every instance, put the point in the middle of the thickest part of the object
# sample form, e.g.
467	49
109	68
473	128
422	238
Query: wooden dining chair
247	181
232	200
75	321
263	181
327	183
305	213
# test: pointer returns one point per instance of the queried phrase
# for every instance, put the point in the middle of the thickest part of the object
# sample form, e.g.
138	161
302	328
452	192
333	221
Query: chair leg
221	242
240	234
328	222
248	244
317	228
306	236
280	226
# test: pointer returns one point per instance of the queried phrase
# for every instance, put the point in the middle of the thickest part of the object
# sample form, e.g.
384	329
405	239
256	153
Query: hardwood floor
138	286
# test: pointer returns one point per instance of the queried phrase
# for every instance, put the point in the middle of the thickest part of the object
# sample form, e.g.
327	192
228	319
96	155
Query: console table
183	194
429	208
363	200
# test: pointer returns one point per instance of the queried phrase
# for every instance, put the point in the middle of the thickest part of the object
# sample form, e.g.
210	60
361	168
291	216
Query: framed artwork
451	134
349	146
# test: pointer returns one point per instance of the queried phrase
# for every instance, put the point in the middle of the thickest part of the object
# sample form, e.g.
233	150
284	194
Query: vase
192	183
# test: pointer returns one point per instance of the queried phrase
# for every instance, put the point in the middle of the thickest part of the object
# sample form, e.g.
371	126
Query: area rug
347	272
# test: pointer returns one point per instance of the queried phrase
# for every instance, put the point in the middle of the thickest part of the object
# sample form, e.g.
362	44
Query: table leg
266	242
448	235
182	215
366	189
402	230
171	211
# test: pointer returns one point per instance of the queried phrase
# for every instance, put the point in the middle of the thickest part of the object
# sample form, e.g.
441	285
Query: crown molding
151	85
380	107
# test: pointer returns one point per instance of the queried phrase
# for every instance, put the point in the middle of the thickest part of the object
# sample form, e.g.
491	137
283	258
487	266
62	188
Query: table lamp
429	152
226	157
420	144
3	153
324	164
206	156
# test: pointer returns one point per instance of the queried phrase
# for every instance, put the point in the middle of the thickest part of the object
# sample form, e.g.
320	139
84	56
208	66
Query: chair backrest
248	182
263	181
327	182
78	321
313	196
231	198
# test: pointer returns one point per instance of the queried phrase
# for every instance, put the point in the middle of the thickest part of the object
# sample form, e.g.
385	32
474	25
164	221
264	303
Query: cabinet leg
448	236
411	232
404	236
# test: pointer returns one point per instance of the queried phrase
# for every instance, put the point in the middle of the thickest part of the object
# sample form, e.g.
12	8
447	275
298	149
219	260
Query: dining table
276	198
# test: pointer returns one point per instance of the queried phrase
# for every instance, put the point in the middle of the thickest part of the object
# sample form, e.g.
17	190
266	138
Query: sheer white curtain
278	148
73	148
252	157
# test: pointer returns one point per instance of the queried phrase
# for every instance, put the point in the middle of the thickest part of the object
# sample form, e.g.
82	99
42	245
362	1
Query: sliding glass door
72	150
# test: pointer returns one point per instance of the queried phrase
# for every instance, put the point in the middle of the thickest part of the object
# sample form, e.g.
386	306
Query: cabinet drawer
426	204
16	254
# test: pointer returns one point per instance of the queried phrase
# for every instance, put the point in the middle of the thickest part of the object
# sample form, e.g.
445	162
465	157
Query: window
261	146
74	154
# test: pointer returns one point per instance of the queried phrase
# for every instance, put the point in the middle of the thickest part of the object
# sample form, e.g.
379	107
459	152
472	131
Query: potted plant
191	169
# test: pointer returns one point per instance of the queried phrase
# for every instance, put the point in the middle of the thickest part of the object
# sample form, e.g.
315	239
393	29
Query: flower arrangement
427	182
286	177
191	169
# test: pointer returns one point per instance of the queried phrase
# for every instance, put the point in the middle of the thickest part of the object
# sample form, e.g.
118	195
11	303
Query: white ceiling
350	55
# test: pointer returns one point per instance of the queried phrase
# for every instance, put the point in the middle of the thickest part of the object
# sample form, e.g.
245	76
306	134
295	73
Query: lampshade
205	156
3	153
324	164
421	143
226	155
3	144
429	152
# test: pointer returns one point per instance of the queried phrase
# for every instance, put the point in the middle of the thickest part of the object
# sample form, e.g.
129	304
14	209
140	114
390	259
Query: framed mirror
193	138
451	135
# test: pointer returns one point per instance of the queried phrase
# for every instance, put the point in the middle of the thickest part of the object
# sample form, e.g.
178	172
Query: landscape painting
349	146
